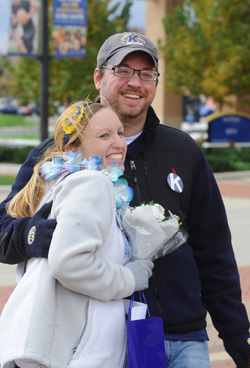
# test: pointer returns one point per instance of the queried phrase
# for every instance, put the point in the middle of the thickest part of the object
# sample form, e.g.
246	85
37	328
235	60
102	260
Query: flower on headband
80	113
68	127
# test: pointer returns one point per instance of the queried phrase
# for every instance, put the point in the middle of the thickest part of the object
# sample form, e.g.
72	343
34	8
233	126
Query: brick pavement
234	189
219	358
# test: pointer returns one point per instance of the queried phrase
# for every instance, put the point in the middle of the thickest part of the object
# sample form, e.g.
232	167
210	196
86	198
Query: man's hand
238	347
38	232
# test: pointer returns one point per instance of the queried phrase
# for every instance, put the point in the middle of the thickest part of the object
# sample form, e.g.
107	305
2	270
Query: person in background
22	12
67	310
165	165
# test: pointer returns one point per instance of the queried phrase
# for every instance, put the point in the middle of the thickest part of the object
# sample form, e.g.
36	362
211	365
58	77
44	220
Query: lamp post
44	71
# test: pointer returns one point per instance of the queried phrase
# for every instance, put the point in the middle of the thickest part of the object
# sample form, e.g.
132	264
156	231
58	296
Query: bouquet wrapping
150	234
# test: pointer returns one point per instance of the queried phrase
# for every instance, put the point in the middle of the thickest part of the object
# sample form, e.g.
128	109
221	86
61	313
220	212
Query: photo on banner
69	28
19	22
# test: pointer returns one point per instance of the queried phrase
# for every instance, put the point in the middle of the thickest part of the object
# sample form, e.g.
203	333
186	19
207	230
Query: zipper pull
132	165
133	168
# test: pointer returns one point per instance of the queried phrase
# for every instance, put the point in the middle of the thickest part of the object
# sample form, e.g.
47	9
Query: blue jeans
187	354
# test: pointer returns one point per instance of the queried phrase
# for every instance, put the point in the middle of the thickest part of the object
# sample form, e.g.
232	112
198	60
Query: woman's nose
118	142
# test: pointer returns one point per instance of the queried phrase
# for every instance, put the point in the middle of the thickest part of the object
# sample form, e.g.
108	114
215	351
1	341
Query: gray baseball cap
116	47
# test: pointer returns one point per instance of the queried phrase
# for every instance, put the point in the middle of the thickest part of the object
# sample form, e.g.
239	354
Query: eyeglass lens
126	72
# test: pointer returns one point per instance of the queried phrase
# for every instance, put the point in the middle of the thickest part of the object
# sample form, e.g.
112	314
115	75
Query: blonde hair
26	202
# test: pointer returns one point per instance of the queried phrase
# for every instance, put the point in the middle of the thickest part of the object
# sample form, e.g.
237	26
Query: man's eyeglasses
126	72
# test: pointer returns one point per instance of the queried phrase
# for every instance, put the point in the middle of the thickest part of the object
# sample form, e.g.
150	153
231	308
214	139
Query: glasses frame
133	72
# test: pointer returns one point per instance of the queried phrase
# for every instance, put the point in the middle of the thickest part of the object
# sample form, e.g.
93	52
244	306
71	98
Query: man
165	165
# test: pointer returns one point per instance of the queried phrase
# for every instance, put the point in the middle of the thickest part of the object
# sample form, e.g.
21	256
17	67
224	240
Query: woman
68	311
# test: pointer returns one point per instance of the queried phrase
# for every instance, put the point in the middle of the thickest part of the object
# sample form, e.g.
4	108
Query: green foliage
207	48
7	180
17	155
7	120
228	159
70	79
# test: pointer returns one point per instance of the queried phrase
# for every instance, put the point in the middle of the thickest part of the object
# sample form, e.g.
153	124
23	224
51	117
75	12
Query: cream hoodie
68	311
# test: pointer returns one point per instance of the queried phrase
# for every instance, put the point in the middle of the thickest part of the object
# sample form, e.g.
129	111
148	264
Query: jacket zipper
133	169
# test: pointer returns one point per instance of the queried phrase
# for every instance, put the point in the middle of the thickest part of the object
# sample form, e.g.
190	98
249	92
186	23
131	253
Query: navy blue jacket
202	274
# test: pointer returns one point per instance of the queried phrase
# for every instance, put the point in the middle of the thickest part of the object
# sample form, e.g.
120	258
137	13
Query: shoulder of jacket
44	145
166	129
173	137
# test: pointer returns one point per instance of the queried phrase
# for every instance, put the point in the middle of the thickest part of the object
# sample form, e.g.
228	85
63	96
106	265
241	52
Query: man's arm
13	247
211	242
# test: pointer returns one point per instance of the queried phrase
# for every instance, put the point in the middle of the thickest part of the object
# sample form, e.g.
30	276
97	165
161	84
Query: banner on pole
69	28
19	27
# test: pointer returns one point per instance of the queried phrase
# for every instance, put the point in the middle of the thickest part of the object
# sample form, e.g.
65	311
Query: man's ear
97	79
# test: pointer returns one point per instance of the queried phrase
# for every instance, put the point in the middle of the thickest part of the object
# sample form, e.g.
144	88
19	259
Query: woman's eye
121	134
105	135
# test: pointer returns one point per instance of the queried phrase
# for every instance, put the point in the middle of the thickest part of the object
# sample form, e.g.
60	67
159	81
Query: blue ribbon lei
72	162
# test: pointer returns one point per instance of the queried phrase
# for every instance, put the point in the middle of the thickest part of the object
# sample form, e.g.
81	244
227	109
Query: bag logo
133	39
31	235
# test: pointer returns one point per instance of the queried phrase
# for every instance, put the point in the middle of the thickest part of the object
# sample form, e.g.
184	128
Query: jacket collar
144	139
152	121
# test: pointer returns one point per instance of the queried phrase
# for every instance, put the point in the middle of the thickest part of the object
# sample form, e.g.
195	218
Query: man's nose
135	79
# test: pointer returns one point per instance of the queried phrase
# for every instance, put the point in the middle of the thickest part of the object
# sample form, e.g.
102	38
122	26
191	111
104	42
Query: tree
207	48
70	79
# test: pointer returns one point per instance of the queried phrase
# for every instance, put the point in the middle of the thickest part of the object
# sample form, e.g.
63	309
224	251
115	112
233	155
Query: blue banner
229	127
69	28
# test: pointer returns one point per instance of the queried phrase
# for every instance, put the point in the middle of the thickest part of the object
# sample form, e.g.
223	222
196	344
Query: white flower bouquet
151	234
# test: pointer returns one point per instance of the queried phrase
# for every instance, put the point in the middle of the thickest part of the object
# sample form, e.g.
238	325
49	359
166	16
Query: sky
4	26
137	12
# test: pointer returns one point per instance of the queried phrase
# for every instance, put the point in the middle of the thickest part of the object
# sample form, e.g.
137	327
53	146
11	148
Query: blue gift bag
145	341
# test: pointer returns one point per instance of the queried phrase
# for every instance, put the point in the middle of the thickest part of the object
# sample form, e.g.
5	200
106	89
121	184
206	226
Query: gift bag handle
142	300
141	295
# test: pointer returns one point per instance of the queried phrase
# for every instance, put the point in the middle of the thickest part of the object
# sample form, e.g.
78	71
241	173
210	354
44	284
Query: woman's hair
68	133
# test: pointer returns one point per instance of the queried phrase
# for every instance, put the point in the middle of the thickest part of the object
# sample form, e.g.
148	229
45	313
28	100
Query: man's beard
125	115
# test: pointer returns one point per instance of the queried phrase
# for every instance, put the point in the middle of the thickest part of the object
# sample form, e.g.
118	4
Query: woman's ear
68	149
